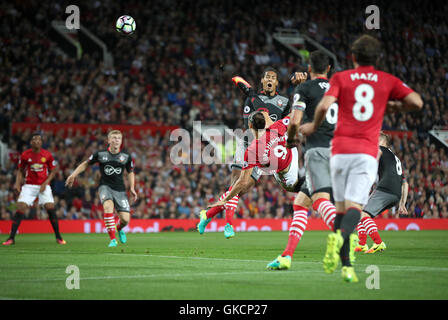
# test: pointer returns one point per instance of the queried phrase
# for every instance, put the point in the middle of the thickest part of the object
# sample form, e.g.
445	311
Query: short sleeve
399	90
130	164
22	161
247	109
93	158
52	163
298	98
334	88
250	160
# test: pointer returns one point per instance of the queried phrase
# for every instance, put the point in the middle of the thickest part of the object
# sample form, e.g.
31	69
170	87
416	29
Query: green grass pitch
186	265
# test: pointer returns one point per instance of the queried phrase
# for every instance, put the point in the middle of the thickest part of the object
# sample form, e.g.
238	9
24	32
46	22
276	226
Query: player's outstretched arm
240	185
71	178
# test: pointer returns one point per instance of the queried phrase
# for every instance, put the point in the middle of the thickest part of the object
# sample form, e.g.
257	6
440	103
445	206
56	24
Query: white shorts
352	176
30	192
289	180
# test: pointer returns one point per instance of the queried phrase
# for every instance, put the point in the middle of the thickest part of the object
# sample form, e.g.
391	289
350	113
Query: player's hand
307	128
298	78
134	195
43	186
69	181
403	211
216	204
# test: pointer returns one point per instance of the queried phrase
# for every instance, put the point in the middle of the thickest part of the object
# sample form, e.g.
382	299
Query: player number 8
363	108
398	167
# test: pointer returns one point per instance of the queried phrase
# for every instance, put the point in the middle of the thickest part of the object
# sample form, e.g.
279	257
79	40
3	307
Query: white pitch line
408	268
266	272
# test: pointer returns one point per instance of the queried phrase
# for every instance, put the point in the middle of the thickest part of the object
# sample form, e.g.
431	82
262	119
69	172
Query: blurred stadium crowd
177	69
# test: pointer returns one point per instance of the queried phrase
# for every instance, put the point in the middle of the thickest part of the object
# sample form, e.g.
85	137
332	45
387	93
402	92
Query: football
125	24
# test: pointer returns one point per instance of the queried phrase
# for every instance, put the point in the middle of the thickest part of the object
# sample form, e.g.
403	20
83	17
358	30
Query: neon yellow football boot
377	247
331	258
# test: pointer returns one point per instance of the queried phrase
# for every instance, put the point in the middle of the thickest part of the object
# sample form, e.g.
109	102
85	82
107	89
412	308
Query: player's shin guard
54	222
372	229
327	211
109	222
296	230
362	234
16	220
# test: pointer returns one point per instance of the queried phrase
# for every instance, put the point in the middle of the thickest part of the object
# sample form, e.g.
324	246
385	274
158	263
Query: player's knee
108	206
22	207
49	206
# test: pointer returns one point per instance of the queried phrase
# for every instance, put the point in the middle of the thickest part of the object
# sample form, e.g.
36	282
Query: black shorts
380	201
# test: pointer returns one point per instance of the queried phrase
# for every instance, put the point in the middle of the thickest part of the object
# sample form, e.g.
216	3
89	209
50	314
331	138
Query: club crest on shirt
279	102
121	158
43	159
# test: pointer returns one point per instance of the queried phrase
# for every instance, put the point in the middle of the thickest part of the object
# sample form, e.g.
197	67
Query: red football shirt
37	165
362	95
269	152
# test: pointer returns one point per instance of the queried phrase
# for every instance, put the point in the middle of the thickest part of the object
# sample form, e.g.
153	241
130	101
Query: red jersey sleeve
250	160
334	86
399	90
22	161
52	163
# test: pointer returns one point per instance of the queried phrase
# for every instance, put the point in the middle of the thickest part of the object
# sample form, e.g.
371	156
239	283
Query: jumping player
362	95
269	153
40	168
316	190
277	107
391	190
112	191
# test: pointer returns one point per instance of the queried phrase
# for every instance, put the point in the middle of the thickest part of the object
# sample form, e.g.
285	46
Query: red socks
372	229
362	234
296	230
327	210
230	207
109	222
